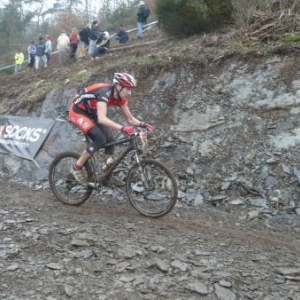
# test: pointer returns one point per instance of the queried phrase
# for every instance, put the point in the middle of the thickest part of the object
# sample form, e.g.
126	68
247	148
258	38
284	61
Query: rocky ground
228	124
105	250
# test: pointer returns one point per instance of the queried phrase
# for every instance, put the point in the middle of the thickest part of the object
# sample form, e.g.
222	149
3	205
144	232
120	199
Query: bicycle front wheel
63	184
151	188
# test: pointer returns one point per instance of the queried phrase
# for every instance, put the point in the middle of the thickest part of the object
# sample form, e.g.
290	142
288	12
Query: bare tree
38	12
285	6
86	9
13	24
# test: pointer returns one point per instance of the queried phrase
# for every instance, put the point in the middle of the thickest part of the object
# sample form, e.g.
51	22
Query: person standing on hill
94	36
74	40
40	53
84	36
142	16
48	47
31	50
63	42
19	58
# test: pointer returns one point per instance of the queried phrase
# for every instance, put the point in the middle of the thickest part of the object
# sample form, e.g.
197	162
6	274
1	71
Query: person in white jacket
63	45
48	47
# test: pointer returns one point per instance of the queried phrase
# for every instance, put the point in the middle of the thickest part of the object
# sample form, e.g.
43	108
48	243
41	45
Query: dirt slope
105	250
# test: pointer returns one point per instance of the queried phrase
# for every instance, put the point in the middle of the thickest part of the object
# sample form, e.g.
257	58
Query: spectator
40	53
74	40
84	36
48	47
122	35
31	50
63	43
103	46
19	59
94	36
142	16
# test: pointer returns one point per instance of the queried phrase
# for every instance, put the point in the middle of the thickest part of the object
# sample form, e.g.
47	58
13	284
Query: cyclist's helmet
125	80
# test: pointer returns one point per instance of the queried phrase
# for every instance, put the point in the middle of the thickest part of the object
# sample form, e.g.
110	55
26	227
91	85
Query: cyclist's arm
103	119
130	119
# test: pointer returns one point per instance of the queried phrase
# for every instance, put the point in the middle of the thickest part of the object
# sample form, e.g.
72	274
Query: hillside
268	35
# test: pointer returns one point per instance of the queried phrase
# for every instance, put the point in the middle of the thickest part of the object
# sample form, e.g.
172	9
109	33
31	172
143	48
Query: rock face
229	134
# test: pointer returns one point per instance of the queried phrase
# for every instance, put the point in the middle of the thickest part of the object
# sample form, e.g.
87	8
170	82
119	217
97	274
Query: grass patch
83	75
291	39
36	94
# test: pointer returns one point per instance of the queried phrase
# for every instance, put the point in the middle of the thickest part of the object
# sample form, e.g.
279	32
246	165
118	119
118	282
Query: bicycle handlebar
139	130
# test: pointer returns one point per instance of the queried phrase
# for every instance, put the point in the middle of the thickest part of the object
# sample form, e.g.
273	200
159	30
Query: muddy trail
104	249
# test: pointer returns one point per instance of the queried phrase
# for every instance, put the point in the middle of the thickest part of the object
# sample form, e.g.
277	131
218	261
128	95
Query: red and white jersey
87	99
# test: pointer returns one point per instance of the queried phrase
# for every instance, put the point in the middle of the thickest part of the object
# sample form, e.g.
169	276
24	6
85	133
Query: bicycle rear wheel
63	184
151	188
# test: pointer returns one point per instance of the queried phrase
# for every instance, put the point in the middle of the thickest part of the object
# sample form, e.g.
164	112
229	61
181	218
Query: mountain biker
88	113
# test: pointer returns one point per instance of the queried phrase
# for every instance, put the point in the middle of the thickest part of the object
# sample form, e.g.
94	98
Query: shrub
244	10
188	17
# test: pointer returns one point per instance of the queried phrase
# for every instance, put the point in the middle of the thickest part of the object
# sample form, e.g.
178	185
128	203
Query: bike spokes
63	184
151	188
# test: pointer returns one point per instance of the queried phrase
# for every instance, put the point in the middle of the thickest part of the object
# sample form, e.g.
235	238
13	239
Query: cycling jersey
83	109
100	92
84	115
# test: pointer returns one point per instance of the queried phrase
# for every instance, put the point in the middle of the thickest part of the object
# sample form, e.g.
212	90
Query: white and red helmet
125	80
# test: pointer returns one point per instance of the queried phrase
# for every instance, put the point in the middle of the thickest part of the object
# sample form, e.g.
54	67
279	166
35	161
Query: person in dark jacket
84	36
94	36
142	15
40	53
122	35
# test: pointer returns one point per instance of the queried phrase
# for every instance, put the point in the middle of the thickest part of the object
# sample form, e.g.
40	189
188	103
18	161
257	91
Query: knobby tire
63	184
157	195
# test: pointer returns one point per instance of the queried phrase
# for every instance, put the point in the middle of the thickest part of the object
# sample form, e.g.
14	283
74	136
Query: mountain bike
151	187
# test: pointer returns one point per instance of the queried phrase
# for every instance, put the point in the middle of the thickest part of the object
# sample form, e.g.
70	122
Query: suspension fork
136	155
140	168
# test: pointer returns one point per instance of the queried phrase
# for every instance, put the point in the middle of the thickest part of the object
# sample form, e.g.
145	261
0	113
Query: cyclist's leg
84	123
109	137
87	125
109	151
98	142
101	136
98	138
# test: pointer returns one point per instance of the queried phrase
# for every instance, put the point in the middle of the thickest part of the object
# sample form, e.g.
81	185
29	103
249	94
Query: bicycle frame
133	146
150	185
